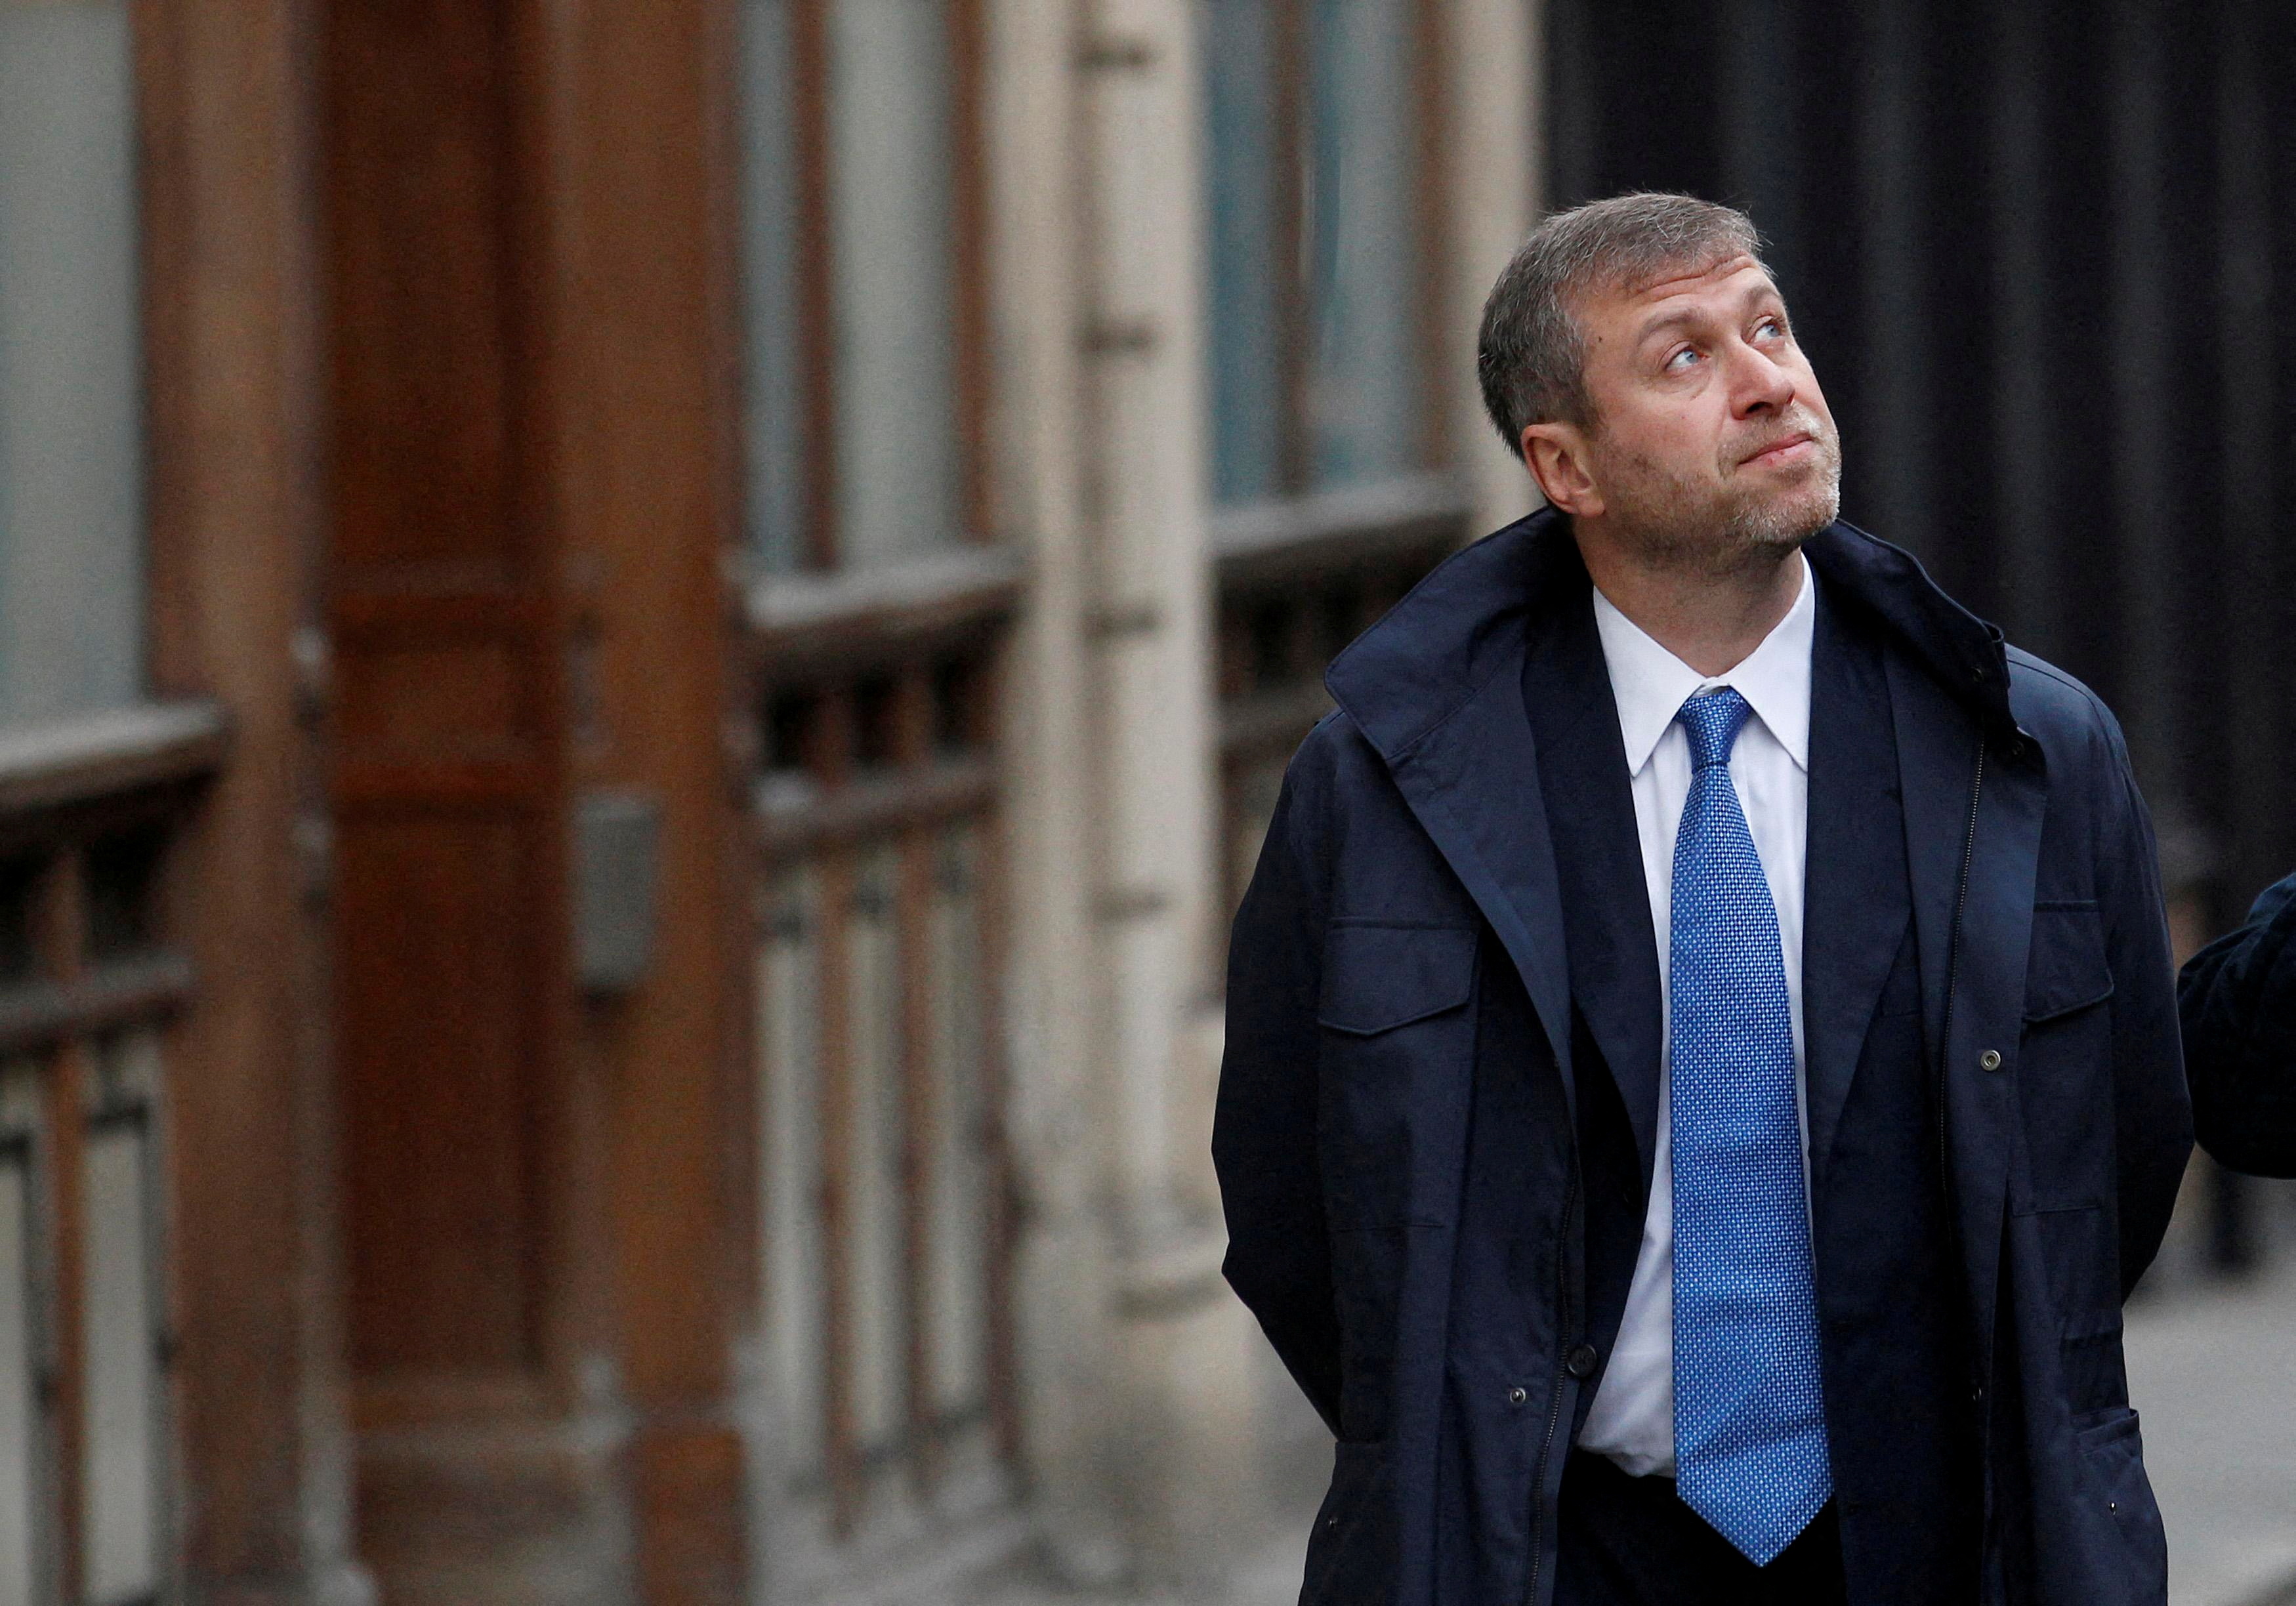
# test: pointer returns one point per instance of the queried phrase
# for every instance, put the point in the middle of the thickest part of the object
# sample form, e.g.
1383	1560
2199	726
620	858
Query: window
95	778
875	612
1319	120
1330	486
87	987
887	1241
71	523
861	281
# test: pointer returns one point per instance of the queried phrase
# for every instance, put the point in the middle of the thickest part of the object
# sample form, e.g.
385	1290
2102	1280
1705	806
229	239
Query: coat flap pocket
2097	1428
1378	977
2068	970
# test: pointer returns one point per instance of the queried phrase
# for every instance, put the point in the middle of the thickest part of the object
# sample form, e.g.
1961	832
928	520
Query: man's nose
1759	384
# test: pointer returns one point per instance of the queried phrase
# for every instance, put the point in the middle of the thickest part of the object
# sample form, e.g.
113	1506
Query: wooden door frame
645	323
225	142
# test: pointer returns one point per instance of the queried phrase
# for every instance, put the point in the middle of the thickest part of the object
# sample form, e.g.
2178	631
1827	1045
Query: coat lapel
1436	688
1473	783
1857	898
1590	809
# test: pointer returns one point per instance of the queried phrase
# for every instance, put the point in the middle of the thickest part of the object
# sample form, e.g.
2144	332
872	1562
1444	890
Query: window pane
961	1174
123	1381
876	1248
889	151
20	885
70	369
788	1016
1240	149
769	234
1364	399
891	255
19	1421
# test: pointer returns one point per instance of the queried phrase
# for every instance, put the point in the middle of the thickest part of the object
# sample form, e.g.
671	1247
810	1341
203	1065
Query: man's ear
1556	455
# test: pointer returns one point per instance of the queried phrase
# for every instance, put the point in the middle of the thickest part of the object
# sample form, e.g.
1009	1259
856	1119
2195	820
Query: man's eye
1682	359
1772	327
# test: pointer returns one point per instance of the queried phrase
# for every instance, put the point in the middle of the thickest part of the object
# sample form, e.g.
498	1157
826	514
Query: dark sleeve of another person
1264	1125
2237	998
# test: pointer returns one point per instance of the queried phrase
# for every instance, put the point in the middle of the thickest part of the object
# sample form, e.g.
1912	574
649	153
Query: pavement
2211	1371
2212	1374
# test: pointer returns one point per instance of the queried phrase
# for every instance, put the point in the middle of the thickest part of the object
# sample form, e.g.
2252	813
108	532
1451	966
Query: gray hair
1530	355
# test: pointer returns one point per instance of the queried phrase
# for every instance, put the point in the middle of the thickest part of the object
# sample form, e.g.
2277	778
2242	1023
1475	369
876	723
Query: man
1701	1069
2238	999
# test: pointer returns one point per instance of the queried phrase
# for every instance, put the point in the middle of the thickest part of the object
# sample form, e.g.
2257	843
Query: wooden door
538	1182
450	954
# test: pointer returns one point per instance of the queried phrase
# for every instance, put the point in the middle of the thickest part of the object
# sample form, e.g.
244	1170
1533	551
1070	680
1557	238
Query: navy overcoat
1400	1013
2239	1000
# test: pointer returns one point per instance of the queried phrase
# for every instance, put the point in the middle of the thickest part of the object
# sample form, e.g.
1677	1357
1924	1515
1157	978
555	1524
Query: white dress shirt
1632	1421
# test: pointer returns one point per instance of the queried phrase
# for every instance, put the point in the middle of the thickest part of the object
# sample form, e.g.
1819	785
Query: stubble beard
1676	522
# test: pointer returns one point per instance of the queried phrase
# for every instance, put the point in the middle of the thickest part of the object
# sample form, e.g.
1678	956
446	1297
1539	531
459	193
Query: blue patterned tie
1748	1412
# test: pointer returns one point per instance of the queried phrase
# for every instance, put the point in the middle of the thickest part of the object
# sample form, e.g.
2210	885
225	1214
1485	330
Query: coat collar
1436	649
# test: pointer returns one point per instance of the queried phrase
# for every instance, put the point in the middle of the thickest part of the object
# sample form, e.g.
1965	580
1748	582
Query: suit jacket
1424	1190
2238	996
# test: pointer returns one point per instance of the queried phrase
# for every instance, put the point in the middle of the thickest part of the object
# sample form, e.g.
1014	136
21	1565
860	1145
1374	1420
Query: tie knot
1712	721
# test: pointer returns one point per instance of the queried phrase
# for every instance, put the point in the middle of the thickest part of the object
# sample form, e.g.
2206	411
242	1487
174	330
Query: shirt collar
1650	683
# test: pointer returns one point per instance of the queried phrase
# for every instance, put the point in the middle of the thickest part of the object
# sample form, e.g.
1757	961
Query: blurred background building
642	647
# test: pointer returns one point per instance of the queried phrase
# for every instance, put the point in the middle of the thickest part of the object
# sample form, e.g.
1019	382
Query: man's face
1711	440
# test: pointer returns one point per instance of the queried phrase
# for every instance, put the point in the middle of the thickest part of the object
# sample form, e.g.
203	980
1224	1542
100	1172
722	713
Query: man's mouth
1793	448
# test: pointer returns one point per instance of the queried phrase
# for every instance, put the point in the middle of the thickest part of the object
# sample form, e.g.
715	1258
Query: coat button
1517	1395
1581	1364
1990	1060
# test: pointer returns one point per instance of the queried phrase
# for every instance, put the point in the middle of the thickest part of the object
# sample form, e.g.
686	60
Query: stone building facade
640	650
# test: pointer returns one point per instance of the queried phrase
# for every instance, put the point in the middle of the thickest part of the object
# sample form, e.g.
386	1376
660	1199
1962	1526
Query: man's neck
1710	621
